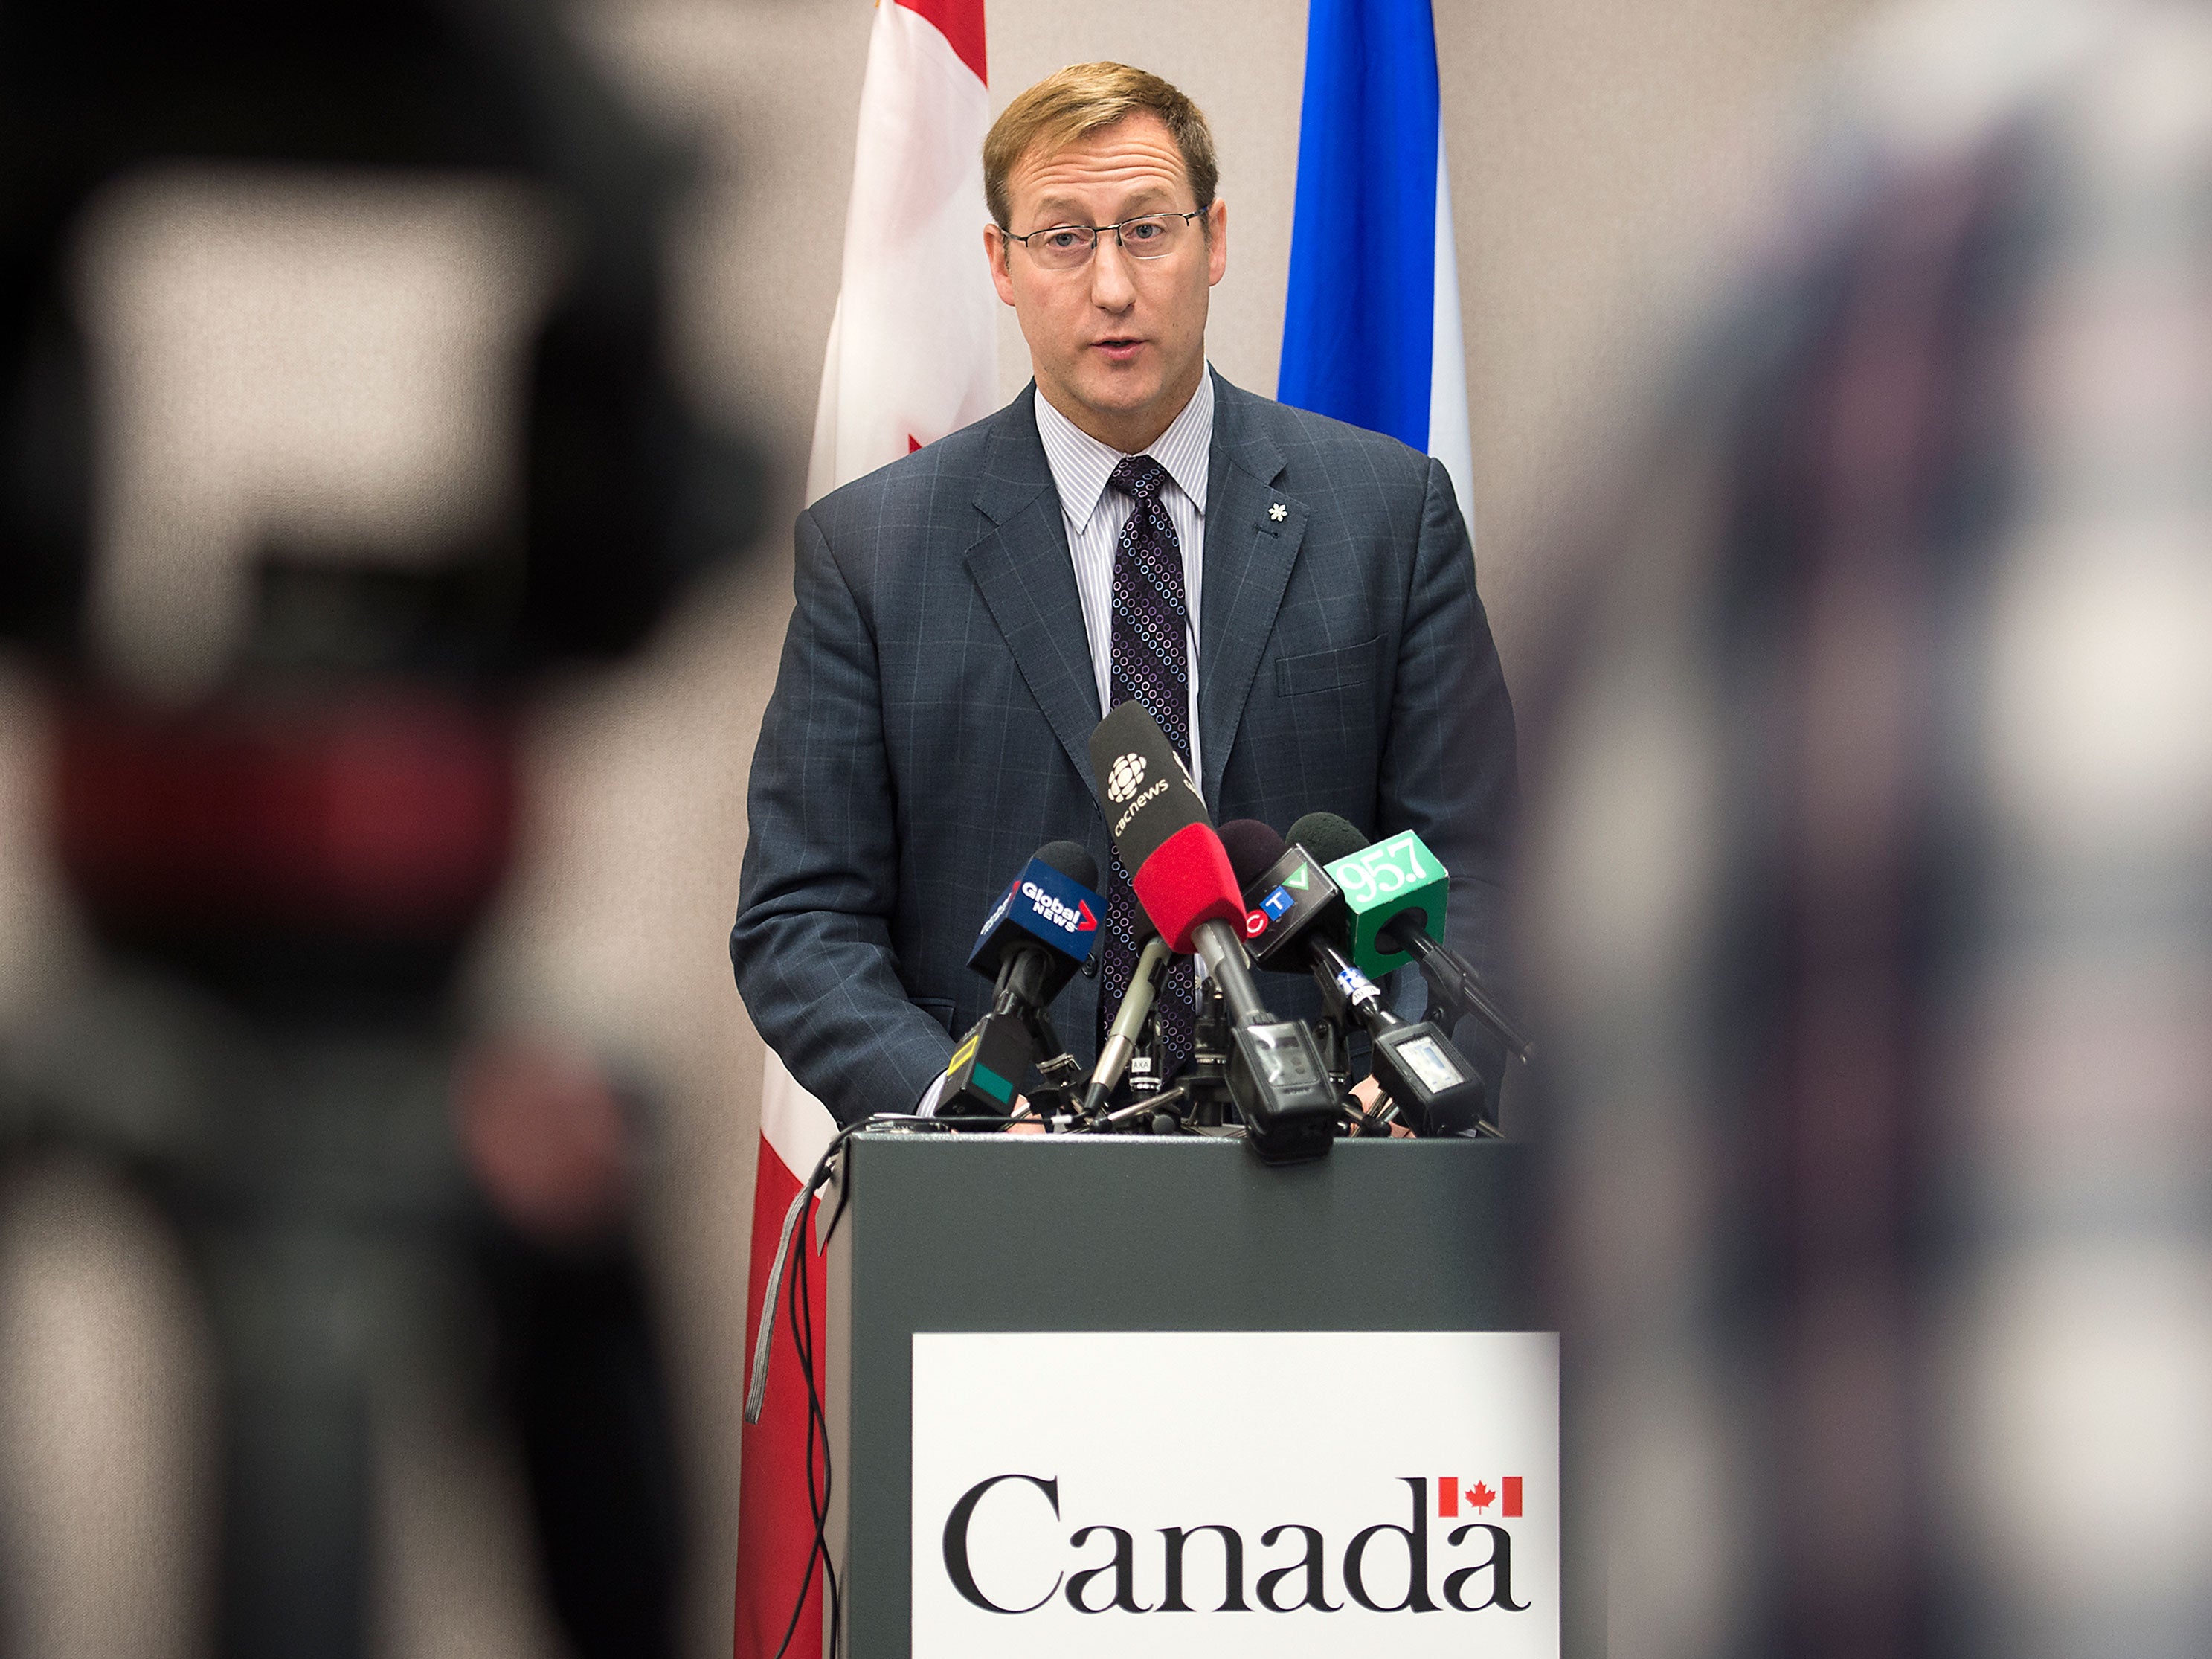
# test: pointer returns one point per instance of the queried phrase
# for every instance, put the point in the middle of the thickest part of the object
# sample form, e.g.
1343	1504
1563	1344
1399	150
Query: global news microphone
1291	598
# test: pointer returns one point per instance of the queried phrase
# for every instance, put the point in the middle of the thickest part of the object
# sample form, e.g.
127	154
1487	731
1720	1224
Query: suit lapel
1249	552
1022	569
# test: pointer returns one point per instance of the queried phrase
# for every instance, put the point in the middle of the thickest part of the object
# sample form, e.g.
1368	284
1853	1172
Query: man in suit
1293	599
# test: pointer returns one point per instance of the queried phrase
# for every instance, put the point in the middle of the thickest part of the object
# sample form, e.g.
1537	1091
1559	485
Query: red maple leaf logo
1480	1496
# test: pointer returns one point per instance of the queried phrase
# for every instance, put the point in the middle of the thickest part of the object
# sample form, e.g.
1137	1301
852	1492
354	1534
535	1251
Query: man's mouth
1119	349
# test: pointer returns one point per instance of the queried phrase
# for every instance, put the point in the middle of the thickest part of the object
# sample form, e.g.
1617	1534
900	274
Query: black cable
799	1348
801	1320
817	1418
817	1501
800	1306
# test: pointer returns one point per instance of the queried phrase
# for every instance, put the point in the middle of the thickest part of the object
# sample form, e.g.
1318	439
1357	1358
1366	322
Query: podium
1164	1302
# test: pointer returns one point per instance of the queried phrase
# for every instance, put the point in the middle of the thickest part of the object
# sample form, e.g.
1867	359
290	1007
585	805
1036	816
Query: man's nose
1112	284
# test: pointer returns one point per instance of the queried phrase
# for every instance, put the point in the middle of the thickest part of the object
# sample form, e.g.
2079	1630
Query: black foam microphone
1416	1064
1182	877
1405	927
1035	937
1286	893
1251	845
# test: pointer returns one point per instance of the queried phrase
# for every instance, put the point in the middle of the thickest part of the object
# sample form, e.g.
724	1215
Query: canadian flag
912	356
913	346
1479	1498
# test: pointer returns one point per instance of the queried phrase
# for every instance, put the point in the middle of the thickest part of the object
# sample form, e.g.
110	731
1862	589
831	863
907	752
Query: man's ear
997	252
1217	240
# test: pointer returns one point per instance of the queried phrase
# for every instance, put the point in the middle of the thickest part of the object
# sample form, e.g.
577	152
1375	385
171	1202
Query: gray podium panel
965	1233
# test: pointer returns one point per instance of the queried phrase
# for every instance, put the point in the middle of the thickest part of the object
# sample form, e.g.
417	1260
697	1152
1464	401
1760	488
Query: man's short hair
1078	100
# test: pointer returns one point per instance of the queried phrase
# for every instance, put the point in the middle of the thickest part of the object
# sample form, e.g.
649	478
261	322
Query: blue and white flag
1371	333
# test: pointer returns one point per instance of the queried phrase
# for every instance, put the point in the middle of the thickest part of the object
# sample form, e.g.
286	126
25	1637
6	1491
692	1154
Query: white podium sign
1223	1493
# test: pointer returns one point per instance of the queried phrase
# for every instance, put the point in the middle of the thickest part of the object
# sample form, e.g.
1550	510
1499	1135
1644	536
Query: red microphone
1186	881
1177	865
1183	878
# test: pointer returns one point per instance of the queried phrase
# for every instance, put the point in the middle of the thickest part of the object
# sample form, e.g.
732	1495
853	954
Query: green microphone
1380	881
1393	896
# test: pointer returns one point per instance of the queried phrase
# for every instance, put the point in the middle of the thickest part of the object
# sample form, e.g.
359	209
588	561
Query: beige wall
1594	144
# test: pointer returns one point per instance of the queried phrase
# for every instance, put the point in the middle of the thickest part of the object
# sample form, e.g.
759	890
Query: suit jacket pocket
1327	670
938	1009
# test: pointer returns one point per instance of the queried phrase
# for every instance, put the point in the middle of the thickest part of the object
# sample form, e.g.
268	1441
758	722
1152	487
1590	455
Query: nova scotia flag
1371	332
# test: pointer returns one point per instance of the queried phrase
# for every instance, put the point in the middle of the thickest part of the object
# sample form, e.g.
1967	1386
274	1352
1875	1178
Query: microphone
1251	845
1183	878
1159	823
1380	881
1035	938
1045	924
1415	1062
1287	892
1129	1023
1395	892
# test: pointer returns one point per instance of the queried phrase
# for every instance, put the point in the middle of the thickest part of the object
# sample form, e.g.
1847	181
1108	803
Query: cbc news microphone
1183	878
1297	915
1393	892
1035	937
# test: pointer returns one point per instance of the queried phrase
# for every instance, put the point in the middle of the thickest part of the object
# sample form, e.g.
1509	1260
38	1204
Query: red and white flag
1480	1497
912	356
912	347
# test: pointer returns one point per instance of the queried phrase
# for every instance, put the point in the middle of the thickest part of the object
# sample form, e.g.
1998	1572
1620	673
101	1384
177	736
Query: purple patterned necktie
1152	665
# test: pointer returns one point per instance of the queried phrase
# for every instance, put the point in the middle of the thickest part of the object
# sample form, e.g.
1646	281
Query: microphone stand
1336	1055
1062	1076
1198	1102
1454	985
1206	1083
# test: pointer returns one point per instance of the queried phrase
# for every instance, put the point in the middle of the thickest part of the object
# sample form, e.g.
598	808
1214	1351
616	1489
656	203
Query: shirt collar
1081	465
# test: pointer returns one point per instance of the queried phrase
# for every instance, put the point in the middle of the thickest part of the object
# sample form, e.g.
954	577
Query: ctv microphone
1395	892
1182	877
1415	1062
1287	892
1035	938
1250	845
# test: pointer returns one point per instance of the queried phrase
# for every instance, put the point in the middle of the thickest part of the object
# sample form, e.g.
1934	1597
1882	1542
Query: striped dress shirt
1094	516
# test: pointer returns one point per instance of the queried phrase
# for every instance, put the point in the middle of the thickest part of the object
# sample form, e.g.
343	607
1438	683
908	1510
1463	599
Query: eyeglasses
1149	236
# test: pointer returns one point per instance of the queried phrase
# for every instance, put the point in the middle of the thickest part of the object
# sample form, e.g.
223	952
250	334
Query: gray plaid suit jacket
931	719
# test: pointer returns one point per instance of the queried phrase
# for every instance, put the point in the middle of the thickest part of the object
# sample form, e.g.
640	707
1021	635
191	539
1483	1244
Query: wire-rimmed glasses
1147	236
